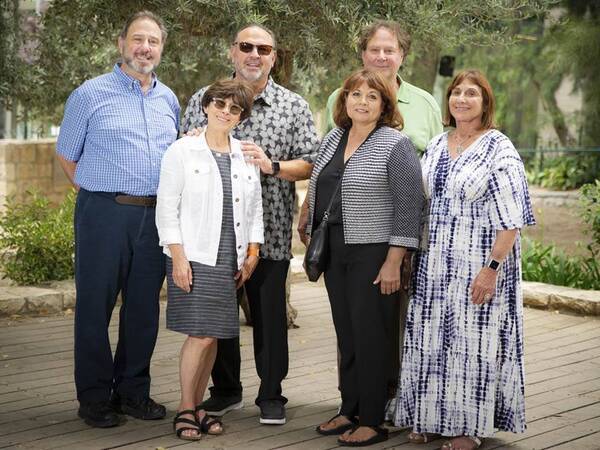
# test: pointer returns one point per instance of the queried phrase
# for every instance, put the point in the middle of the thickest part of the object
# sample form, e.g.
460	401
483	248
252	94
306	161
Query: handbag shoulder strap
337	188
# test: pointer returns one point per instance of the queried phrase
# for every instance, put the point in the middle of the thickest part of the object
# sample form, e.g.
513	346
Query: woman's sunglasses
221	104
247	47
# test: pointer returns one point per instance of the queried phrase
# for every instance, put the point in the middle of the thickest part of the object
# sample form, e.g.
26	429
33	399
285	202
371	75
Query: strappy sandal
422	438
382	435
341	429
449	446
206	423
179	431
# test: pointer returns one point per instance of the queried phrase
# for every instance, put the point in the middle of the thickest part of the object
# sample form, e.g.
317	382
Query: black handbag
317	253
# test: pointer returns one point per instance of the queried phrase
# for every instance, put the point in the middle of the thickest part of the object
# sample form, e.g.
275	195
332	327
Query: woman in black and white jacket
374	218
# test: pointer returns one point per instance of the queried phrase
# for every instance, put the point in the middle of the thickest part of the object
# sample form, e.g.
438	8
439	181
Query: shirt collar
130	81
402	94
268	94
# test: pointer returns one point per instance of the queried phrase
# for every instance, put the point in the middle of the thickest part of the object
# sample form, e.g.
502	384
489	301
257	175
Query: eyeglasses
221	104
247	47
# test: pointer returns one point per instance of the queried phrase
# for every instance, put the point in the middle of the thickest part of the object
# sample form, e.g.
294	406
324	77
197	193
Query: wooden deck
38	407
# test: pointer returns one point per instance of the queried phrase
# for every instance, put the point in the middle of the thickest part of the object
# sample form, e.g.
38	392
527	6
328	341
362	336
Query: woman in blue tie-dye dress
462	370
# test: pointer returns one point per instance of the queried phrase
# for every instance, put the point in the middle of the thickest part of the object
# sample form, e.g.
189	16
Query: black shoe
143	408
219	406
272	412
98	414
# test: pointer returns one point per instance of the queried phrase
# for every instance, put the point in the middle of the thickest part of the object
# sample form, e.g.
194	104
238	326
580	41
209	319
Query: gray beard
139	69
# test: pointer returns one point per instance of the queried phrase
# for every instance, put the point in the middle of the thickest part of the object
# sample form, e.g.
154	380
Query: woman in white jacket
210	222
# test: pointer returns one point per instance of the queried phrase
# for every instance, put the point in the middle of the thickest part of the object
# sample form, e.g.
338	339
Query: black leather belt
133	200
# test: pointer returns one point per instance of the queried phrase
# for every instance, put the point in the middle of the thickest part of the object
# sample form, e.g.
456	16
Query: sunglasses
261	49
221	104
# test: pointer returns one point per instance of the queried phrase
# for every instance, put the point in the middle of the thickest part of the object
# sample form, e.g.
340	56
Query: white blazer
189	206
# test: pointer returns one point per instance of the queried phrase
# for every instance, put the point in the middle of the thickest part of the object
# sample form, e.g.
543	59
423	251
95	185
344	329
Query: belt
124	199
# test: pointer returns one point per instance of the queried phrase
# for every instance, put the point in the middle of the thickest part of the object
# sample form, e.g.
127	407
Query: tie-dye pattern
462	370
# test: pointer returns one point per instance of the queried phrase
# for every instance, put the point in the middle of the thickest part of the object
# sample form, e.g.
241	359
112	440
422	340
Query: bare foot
462	443
191	433
358	435
334	423
214	428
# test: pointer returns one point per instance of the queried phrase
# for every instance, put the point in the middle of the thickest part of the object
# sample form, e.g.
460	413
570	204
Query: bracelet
253	251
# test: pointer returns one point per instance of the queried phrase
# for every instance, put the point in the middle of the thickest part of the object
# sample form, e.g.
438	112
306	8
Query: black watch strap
275	166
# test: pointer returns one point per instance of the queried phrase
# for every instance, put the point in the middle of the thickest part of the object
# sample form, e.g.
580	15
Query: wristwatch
493	264
275	167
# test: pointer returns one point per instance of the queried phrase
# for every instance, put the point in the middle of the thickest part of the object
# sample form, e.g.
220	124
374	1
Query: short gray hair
145	14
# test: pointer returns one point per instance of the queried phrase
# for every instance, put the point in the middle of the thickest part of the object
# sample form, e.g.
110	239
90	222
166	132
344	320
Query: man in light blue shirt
115	130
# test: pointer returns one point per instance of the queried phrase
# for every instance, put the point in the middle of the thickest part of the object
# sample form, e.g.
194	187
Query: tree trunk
547	90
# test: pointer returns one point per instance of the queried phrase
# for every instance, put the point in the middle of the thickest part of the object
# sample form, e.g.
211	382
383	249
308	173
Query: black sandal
382	435
179	431
337	430
206	423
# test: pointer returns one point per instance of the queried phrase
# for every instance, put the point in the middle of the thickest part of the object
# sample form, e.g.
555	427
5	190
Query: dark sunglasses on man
247	47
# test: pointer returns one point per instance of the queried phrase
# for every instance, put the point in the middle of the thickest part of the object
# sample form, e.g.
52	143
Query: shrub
563	172
590	204
36	240
547	264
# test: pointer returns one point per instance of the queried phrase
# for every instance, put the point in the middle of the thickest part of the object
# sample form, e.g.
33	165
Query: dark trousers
266	296
365	321
116	250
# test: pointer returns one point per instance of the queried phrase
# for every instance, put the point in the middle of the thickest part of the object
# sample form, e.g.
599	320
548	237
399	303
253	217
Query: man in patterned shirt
280	138
115	131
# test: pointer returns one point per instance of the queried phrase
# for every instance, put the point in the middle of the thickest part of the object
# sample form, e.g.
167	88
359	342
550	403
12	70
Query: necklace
459	144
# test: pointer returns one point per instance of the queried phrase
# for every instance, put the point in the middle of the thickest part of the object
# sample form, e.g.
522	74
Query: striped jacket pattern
382	189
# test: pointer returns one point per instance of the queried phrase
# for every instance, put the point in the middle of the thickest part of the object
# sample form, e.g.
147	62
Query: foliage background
75	40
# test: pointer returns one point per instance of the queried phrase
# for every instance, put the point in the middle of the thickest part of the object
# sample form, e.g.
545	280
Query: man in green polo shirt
383	46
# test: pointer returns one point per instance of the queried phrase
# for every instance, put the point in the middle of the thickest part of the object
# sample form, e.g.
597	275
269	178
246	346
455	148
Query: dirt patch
561	226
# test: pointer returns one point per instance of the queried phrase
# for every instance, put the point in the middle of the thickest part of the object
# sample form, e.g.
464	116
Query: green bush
563	172
36	240
547	264
590	204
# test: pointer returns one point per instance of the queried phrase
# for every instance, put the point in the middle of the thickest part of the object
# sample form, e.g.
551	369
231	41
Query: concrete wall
30	164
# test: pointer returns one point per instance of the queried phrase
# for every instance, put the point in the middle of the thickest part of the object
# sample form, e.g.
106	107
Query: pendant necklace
459	145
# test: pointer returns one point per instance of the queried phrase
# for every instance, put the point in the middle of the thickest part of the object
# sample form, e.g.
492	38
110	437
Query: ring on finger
487	297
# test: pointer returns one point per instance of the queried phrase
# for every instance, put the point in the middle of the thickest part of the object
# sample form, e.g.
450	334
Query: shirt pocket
198	177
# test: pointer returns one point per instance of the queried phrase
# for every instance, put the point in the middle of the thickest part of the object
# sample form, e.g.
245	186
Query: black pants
116	250
365	321
266	296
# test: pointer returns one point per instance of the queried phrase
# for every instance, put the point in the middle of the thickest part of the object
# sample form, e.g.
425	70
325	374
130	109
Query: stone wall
30	164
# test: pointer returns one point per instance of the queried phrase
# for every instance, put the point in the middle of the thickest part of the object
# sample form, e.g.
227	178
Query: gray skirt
211	308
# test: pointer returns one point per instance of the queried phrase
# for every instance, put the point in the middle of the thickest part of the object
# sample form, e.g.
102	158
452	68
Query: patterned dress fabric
462	370
210	309
282	125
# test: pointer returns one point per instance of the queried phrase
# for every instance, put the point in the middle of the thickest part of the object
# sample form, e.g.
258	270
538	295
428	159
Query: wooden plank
39	410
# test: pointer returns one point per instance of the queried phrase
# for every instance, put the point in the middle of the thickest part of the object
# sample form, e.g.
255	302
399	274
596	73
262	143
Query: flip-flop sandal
179	431
382	435
449	446
207	423
422	438
341	429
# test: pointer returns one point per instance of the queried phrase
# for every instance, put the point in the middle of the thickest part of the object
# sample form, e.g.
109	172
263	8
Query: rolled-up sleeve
168	199
74	127
406	186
